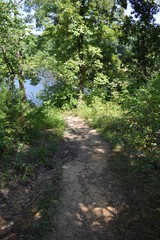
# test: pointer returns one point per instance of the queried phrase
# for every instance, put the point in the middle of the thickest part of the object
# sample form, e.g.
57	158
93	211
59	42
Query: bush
61	95
142	119
24	141
131	123
12	116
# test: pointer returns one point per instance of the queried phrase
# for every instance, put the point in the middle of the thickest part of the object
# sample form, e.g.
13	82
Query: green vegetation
106	69
21	127
130	124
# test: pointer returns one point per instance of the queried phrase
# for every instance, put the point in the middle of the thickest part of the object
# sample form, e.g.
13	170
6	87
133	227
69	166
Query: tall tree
81	39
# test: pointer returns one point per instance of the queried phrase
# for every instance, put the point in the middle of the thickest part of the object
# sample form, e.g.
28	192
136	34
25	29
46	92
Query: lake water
32	91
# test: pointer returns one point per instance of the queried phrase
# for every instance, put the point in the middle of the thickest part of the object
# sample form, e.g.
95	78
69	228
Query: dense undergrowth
29	138
131	123
22	125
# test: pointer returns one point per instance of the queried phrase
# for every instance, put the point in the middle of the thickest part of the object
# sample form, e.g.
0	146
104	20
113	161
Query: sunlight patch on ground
4	192
38	215
100	150
96	215
4	225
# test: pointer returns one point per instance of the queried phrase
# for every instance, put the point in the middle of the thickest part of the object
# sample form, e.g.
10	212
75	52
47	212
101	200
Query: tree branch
8	64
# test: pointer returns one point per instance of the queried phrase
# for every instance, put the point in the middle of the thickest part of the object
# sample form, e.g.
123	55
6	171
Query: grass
44	209
135	165
33	157
43	154
44	129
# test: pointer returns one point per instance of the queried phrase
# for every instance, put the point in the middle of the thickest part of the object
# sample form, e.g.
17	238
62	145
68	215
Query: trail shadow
139	218
91	197
127	209
119	206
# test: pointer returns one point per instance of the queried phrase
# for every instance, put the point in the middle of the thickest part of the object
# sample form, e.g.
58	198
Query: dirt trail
90	195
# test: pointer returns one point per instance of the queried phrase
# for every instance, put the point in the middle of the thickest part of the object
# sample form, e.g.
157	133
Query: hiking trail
90	196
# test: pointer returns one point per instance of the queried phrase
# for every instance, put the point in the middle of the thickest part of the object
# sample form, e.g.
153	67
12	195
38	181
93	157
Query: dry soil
90	195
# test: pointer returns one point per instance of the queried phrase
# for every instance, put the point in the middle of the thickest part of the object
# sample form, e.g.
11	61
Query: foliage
12	113
20	127
80	39
143	115
79	45
17	47
61	95
132	125
104	63
139	40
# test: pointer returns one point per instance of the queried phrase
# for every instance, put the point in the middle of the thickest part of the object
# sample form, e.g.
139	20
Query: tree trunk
21	86
80	52
11	71
11	82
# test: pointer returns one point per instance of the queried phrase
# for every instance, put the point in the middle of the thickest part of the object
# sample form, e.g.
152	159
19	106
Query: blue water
33	91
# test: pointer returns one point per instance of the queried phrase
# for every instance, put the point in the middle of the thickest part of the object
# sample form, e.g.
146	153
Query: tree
80	37
141	36
14	48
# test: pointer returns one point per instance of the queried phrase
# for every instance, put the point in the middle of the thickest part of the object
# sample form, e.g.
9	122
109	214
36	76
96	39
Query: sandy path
90	195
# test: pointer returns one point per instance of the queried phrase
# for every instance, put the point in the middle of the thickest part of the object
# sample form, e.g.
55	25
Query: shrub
131	123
